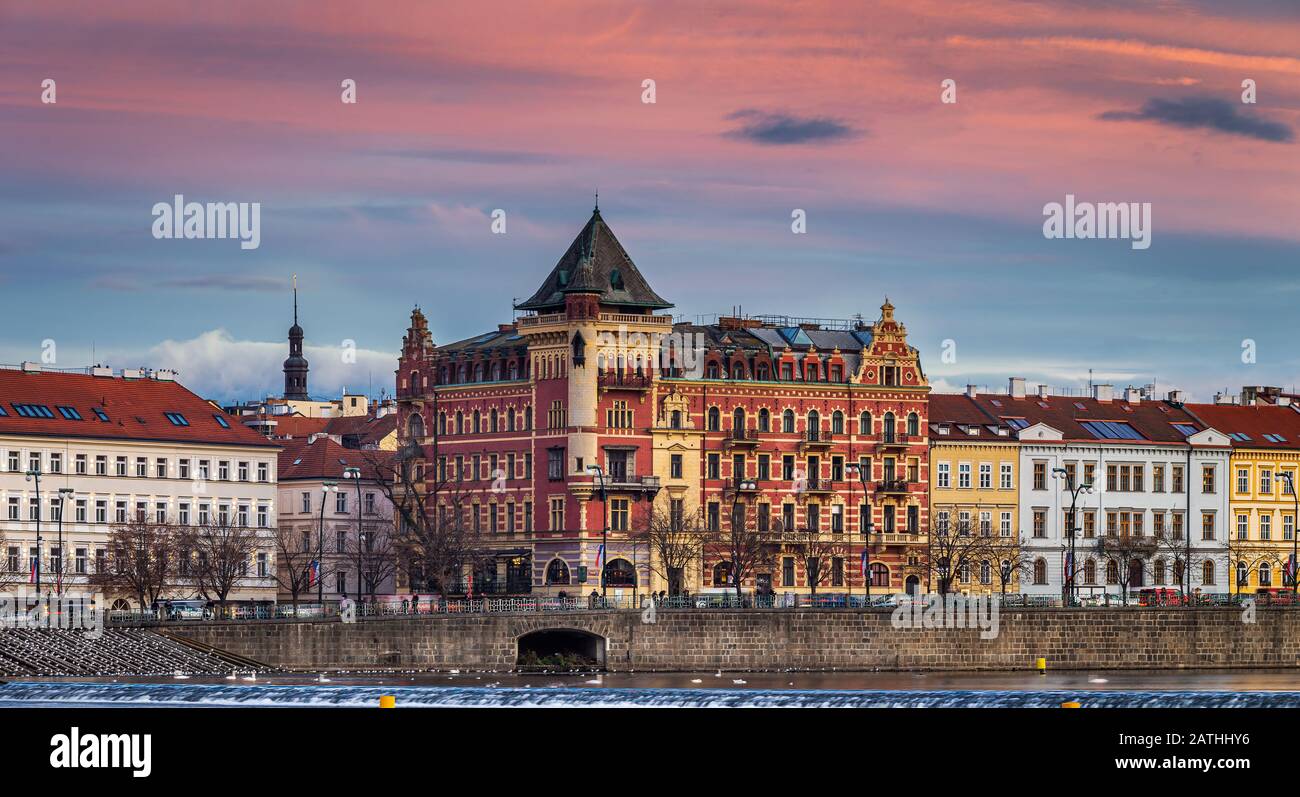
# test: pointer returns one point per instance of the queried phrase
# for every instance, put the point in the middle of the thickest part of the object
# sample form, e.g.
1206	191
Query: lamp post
64	492
741	486
1295	531
604	533
355	473
1067	583
326	488
34	474
864	525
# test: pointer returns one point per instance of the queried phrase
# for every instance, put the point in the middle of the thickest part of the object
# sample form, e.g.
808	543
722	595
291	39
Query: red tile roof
1154	420
135	408
959	410
322	458
1253	421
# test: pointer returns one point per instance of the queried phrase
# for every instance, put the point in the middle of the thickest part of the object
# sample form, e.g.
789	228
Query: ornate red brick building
785	425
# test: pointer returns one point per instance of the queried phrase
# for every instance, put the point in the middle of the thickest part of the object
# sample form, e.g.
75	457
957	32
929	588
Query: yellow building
973	491
1261	499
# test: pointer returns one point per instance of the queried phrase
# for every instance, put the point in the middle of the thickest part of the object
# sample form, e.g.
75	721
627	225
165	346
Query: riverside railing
432	606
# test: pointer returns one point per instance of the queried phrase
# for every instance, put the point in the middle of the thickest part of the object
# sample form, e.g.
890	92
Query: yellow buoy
1070	704
387	701
1040	664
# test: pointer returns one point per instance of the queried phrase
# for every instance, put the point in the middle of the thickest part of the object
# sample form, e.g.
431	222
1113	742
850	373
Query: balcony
892	486
620	380
894	441
819	486
742	438
817	438
898	538
628	483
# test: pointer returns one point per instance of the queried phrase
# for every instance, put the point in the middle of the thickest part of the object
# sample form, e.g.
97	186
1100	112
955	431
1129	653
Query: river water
1101	689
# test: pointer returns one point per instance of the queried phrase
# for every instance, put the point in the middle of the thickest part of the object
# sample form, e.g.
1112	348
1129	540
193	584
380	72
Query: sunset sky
762	107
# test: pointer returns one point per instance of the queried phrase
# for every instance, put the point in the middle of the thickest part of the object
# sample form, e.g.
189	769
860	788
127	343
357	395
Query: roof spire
295	298
596	209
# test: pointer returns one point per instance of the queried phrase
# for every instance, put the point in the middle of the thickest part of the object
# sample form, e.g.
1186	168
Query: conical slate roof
595	263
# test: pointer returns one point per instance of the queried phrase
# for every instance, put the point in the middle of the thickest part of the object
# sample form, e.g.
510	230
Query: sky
760	108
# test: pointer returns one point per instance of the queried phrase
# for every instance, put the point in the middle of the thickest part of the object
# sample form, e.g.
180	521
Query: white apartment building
1156	473
83	452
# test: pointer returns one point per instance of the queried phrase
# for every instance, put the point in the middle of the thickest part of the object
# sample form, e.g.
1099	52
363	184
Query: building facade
565	432
1262	470
90	452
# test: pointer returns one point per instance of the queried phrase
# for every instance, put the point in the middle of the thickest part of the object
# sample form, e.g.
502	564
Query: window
557	514
555	464
221	421
341	503
1040	476
1207	572
1265	481
1207	525
69	413
100	414
1004	529
1243	480
787	422
1158	478
864	423
986	475
1243	527
1111	430
1006	478
943	475
176	419
619	514
1177	478
675	466
1040	524
963	475
1207	479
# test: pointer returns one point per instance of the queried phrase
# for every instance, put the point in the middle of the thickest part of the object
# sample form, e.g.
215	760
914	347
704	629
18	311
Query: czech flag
864	564
600	556
313	574
31	577
1069	566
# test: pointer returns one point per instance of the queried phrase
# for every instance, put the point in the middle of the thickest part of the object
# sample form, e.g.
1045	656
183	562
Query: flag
313	573
600	556
864	564
1069	566
31	577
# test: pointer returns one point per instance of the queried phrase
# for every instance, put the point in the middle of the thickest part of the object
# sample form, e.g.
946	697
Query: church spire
295	366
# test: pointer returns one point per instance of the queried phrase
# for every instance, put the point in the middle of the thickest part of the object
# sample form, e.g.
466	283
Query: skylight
995	402
33	410
1111	430
70	413
1186	428
176	418
100	414
1275	438
3	414
1240	437
221	421
1016	423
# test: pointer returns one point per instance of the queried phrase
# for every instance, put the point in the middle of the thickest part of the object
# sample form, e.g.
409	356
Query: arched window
1040	571
722	574
761	373
493	421
1112	572
478	422
514	371
814	422
986	572
528	417
888	430
879	575
738	371
837	422
496	372
1159	572
1243	574
510	419
864	423
1090	572
1207	572
619	573
478	372
557	572
787	422
415	428
738	420
1265	574
764	420
442	423
711	371
913	424
715	419
460	422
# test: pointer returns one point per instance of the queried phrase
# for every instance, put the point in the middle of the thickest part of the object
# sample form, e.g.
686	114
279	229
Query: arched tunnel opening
562	648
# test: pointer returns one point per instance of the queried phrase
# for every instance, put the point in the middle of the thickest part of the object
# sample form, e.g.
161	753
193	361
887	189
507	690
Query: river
1173	688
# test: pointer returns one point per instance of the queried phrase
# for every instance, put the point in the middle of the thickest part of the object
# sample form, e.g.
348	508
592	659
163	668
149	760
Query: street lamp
35	474
355	473
326	488
63	493
864	525
604	533
1067	586
741	486
1295	527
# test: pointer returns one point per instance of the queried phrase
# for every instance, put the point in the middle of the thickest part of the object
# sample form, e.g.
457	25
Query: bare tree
743	546
221	553
675	543
140	560
294	555
374	552
1131	556
1174	549
954	548
1011	560
12	576
817	552
430	534
1252	555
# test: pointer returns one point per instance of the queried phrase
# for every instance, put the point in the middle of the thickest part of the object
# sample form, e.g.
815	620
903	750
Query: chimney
972	391
100	370
1175	397
1283	401
31	367
1016	387
1044	391
1132	395
1103	392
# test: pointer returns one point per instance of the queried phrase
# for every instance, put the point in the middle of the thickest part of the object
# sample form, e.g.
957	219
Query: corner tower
295	365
